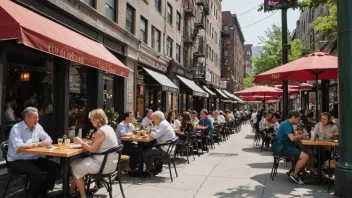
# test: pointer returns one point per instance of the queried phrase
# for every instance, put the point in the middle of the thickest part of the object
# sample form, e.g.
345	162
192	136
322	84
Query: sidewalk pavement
219	174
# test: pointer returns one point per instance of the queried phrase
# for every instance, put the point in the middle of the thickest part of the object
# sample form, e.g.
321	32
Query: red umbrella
258	98
302	86
260	91
266	102
316	66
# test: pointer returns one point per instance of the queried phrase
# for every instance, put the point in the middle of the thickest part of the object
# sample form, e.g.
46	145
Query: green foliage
112	117
327	24
315	3
271	56
248	81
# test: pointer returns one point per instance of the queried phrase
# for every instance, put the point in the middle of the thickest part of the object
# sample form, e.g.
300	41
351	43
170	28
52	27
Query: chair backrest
172	143
118	149
4	149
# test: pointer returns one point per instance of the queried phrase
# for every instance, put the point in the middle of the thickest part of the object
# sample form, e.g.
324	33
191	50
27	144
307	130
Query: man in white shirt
126	128
162	133
148	120
231	117
194	118
254	116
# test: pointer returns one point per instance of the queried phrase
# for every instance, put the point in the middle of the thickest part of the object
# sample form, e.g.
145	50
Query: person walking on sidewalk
286	137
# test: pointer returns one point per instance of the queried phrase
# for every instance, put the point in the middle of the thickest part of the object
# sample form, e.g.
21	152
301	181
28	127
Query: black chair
100	176
278	156
187	144
169	156
4	148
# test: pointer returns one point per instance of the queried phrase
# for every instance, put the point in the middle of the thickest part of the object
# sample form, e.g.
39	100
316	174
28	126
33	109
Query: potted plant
112	117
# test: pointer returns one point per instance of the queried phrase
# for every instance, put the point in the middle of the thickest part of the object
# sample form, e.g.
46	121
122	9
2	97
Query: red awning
36	31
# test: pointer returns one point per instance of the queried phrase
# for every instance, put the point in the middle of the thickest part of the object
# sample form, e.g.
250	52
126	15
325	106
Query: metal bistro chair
4	148
169	157
187	144
278	156
99	177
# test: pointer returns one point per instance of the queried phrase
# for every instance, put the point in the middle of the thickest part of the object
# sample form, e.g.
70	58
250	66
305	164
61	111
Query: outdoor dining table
319	144
65	154
141	141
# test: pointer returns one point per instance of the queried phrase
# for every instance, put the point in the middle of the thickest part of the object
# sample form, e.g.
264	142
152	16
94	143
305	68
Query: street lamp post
344	166
284	60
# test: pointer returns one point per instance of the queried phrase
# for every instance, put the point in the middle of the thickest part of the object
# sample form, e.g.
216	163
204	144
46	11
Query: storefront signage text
65	53
141	89
170	89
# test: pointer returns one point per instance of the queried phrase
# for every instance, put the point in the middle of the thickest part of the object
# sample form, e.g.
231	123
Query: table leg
66	177
319	164
140	146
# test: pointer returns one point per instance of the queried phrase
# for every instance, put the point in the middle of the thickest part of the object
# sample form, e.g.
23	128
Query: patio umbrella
302	86
266	102
258	98
264	91
315	66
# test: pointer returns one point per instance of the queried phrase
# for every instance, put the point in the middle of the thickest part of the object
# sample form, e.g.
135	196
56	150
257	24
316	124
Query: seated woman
325	129
171	118
105	138
187	126
207	126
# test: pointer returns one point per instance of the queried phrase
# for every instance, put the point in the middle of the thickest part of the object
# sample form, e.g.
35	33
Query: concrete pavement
245	174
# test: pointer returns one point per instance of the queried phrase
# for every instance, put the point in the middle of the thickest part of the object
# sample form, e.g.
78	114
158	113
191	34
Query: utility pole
285	48
344	166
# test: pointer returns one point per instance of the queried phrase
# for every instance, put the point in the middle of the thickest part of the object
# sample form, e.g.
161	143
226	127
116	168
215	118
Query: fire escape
226	73
196	11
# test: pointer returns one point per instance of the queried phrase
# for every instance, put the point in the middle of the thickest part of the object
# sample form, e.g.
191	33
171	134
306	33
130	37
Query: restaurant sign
170	89
196	93
270	5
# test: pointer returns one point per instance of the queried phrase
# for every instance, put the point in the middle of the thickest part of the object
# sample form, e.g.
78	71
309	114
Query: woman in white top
171	118
104	139
326	128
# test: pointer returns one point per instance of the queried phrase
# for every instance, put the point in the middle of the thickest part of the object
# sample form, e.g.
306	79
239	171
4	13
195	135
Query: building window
169	13
178	21
110	9
91	3
143	34
169	46
178	53
130	18
157	4
156	37
248	53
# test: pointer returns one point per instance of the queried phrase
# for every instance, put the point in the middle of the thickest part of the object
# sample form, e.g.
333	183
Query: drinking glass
67	143
59	141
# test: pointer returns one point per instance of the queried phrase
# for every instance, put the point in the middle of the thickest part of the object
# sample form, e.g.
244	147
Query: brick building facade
233	65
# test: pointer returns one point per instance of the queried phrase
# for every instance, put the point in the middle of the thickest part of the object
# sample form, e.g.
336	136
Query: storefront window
77	96
108	91
30	86
190	102
184	102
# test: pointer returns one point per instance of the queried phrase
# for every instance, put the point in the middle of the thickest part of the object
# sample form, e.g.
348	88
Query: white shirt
9	114
176	124
123	129
196	121
254	117
231	117
221	118
163	133
146	122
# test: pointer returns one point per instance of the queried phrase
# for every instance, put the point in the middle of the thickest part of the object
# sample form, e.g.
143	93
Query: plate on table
75	146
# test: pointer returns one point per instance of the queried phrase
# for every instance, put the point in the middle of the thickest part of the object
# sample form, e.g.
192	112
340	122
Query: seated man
125	128
162	133
148	120
29	134
287	136
216	119
194	118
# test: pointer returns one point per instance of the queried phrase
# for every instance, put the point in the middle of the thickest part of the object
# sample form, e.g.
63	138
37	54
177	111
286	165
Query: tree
248	81
271	56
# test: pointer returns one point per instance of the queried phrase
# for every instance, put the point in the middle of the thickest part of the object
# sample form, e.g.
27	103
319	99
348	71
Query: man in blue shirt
29	134
285	145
